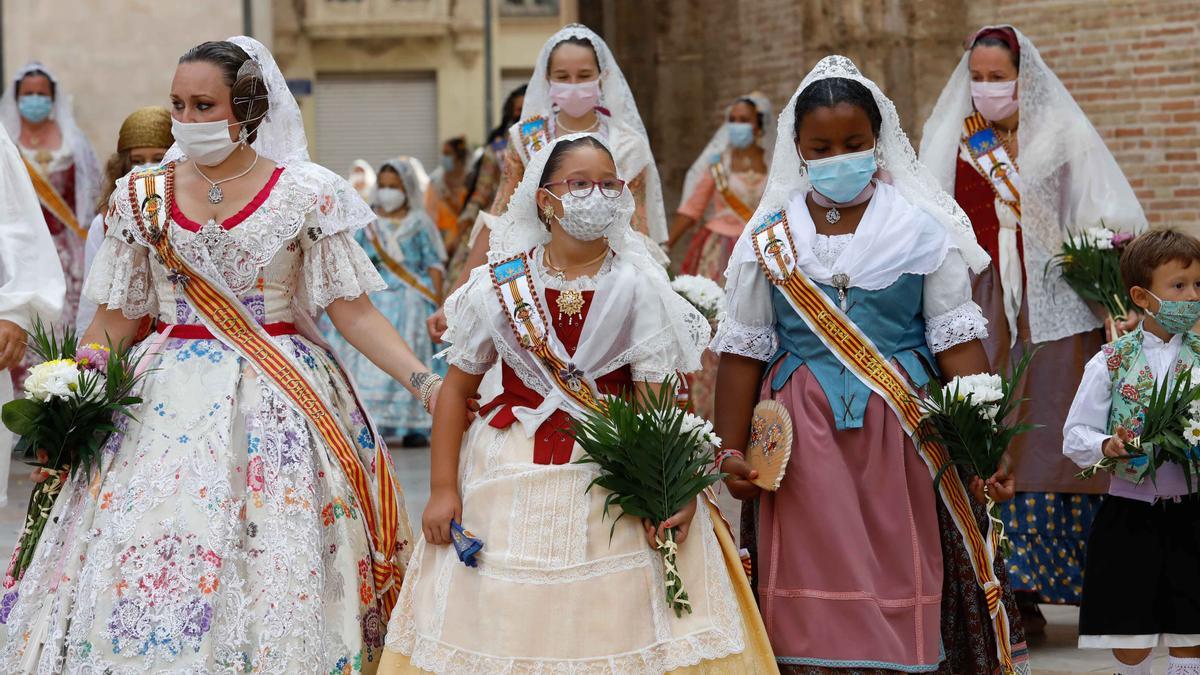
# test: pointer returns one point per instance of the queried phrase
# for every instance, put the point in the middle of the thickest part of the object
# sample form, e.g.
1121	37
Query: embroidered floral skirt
554	593
221	536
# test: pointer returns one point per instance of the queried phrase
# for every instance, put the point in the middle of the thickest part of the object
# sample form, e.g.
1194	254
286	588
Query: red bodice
553	441
976	197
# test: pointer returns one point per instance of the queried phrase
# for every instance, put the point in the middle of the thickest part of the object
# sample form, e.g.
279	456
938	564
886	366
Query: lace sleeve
748	327
471	349
334	267
951	317
120	274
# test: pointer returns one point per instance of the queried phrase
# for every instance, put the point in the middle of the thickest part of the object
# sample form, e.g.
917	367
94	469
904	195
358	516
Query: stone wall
1134	67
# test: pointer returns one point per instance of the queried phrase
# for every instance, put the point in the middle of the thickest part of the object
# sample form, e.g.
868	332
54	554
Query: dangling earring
547	213
243	134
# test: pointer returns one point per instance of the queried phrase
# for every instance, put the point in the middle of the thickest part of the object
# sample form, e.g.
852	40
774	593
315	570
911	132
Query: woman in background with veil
1022	160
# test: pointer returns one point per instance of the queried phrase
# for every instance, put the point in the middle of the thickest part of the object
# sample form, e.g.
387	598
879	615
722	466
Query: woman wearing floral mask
561	587
722	187
577	87
853	275
1026	165
38	116
245	517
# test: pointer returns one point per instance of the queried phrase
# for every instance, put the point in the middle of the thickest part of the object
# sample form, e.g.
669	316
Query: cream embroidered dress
221	534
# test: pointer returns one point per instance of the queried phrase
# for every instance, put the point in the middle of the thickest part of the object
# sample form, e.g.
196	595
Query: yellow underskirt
757	657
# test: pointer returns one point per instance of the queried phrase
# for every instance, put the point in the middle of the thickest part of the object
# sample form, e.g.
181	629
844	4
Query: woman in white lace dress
553	592
236	525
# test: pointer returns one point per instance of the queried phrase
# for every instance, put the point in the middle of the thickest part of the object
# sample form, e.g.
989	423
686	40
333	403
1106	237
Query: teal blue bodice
891	317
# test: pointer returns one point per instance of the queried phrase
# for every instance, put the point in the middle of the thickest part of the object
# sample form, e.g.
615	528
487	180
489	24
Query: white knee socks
1142	668
1181	666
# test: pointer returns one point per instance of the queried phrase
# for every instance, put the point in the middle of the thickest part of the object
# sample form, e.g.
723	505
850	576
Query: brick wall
1133	66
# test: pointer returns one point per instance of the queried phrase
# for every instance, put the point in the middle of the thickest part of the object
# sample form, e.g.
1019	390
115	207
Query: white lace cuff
120	278
459	358
961	324
755	342
336	268
650	374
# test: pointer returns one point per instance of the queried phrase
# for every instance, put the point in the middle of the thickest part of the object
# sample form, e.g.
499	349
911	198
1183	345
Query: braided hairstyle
247	89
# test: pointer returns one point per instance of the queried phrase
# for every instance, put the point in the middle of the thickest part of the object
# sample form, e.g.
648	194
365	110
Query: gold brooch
570	303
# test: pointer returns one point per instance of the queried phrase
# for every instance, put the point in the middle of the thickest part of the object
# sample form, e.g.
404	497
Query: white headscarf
368	176
719	143
627	133
280	138
635	316
1069	179
87	168
411	172
895	155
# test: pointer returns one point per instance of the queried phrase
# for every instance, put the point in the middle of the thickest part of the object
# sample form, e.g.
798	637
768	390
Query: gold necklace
570	300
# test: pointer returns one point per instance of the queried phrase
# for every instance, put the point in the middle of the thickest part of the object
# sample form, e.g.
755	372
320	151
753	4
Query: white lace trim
120	278
961	324
755	342
335	268
551	279
828	248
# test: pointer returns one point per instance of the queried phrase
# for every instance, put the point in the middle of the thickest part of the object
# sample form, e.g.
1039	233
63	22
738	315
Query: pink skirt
849	553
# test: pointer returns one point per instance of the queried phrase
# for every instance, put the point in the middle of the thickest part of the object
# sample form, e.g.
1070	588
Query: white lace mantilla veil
281	139
627	133
1069	179
411	173
87	168
895	156
638	317
719	143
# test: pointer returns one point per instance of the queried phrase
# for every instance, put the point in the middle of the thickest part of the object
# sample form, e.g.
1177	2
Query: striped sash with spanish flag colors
776	252
721	180
398	268
150	193
518	296
990	158
51	200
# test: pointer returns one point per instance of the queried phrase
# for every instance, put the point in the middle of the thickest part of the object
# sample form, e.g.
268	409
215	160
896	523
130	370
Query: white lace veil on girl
411	172
719	143
894	154
87	168
520	228
629	141
1058	146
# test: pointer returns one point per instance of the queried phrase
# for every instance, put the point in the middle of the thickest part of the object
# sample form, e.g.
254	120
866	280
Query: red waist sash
191	331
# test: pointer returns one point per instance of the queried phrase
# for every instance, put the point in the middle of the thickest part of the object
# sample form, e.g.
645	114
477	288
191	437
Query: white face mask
995	100
391	199
206	143
589	218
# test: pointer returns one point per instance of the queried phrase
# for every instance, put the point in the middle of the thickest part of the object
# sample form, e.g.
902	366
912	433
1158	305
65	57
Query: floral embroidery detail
7	603
366	592
1129	392
254	475
336	509
373	627
366	439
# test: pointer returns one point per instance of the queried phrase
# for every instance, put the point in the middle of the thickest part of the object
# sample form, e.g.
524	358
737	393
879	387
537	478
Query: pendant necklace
833	215
570	300
215	194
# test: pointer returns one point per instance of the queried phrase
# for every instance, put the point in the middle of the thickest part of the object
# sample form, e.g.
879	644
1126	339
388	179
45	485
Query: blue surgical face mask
741	134
1176	316
35	107
841	178
448	162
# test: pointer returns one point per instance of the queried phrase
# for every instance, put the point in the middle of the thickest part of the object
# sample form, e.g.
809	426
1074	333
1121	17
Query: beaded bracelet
425	383
726	454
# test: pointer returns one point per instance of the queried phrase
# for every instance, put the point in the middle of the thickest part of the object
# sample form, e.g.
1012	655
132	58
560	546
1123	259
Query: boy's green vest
1132	386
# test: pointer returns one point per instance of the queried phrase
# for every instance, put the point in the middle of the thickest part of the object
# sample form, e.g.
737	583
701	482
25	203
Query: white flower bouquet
73	399
1090	263
969	417
705	294
654	459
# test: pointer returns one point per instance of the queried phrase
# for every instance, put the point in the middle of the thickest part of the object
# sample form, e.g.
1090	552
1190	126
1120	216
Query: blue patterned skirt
1049	535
